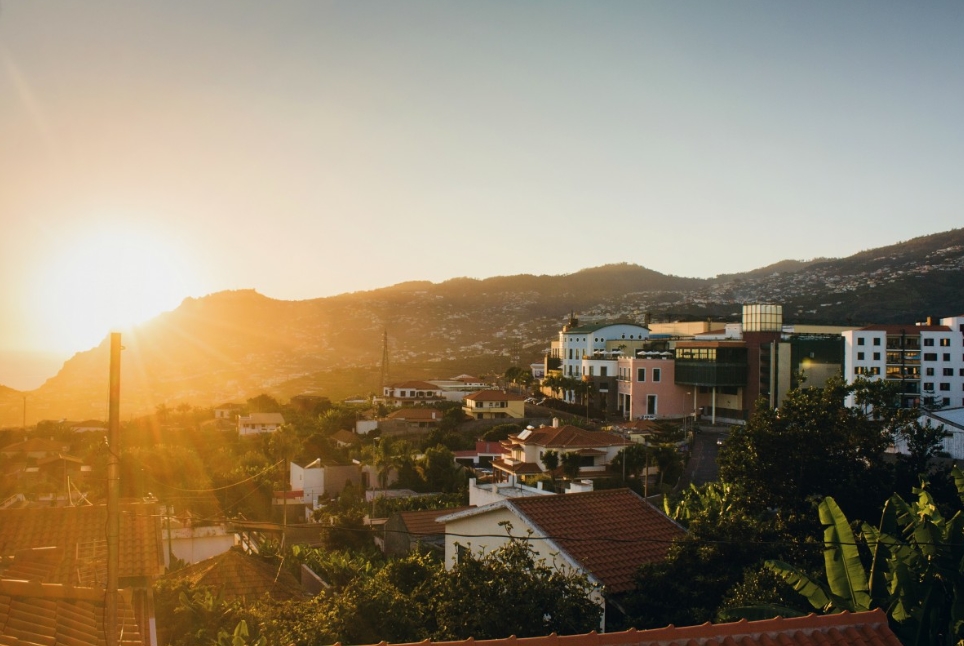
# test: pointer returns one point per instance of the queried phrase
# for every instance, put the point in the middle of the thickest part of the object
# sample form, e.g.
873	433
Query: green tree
264	404
501	432
571	463
813	445
515	594
439	470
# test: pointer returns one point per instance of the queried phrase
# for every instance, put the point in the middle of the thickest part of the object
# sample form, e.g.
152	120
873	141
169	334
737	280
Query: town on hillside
645	483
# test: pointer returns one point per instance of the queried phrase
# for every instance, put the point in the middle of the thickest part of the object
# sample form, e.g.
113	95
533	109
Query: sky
155	151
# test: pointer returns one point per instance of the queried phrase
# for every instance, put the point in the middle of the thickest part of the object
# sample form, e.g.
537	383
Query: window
928	342
930	356
860	356
651	402
877	340
948	372
946	401
603	371
929	372
945	343
641	374
947	356
590	371
657	373
945	386
876	356
860	340
929	385
960	372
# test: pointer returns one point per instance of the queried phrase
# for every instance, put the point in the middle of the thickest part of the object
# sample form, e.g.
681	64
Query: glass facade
762	318
711	366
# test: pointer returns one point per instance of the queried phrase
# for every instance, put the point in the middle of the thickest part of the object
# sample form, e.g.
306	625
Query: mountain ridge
235	344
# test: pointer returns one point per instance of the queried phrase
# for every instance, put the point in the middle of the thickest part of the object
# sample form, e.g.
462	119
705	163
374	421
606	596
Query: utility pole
385	365
113	490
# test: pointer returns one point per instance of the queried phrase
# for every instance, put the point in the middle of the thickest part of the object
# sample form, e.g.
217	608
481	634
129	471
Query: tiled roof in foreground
844	629
79	533
617	531
240	576
34	613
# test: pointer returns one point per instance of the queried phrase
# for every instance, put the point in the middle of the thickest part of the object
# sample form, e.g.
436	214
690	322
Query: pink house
646	388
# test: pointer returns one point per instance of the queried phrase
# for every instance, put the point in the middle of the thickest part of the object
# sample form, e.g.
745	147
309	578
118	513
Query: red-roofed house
256	423
415	417
35	448
411	392
842	629
606	535
494	404
525	451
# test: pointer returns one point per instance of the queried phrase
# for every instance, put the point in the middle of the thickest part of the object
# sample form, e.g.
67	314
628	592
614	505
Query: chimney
930	321
555	422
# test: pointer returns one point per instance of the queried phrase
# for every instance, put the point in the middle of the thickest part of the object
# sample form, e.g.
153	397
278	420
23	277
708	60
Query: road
702	466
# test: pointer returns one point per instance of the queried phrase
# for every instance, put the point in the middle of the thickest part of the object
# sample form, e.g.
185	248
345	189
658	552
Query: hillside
233	345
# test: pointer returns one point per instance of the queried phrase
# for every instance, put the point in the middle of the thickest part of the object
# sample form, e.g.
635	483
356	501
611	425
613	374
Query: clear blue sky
312	148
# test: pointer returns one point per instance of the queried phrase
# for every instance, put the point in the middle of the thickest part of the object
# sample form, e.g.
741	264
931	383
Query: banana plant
916	568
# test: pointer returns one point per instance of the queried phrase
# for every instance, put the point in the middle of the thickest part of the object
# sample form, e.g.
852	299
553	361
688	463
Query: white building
927	360
592	350
256	423
317	481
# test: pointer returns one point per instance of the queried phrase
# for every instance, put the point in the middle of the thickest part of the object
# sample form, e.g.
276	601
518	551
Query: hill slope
233	345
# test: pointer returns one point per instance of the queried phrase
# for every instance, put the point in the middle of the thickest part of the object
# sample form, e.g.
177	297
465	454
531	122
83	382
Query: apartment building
927	360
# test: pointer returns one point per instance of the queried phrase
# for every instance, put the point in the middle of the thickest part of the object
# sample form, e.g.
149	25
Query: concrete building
926	360
256	423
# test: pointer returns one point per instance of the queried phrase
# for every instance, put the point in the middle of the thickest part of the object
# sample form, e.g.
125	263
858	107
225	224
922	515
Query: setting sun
108	279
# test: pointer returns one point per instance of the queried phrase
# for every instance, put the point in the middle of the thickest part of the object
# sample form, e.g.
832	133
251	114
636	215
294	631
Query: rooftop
842	629
240	576
568	437
78	534
584	525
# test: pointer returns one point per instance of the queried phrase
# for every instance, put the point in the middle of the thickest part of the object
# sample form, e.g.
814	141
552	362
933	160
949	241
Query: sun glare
108	280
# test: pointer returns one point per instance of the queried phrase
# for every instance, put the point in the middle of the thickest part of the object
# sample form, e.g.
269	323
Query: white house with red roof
605	535
526	450
408	393
257	423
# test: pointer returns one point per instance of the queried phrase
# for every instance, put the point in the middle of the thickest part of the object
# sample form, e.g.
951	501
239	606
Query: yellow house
494	404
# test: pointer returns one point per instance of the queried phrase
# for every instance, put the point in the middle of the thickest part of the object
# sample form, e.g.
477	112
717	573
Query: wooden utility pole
113	491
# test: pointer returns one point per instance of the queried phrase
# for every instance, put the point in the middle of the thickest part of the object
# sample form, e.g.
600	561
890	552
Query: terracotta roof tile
571	437
585	524
79	532
34	613
422	523
34	445
518	468
240	576
850	629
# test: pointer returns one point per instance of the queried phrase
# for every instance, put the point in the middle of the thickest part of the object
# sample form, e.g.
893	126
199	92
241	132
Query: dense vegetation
775	472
